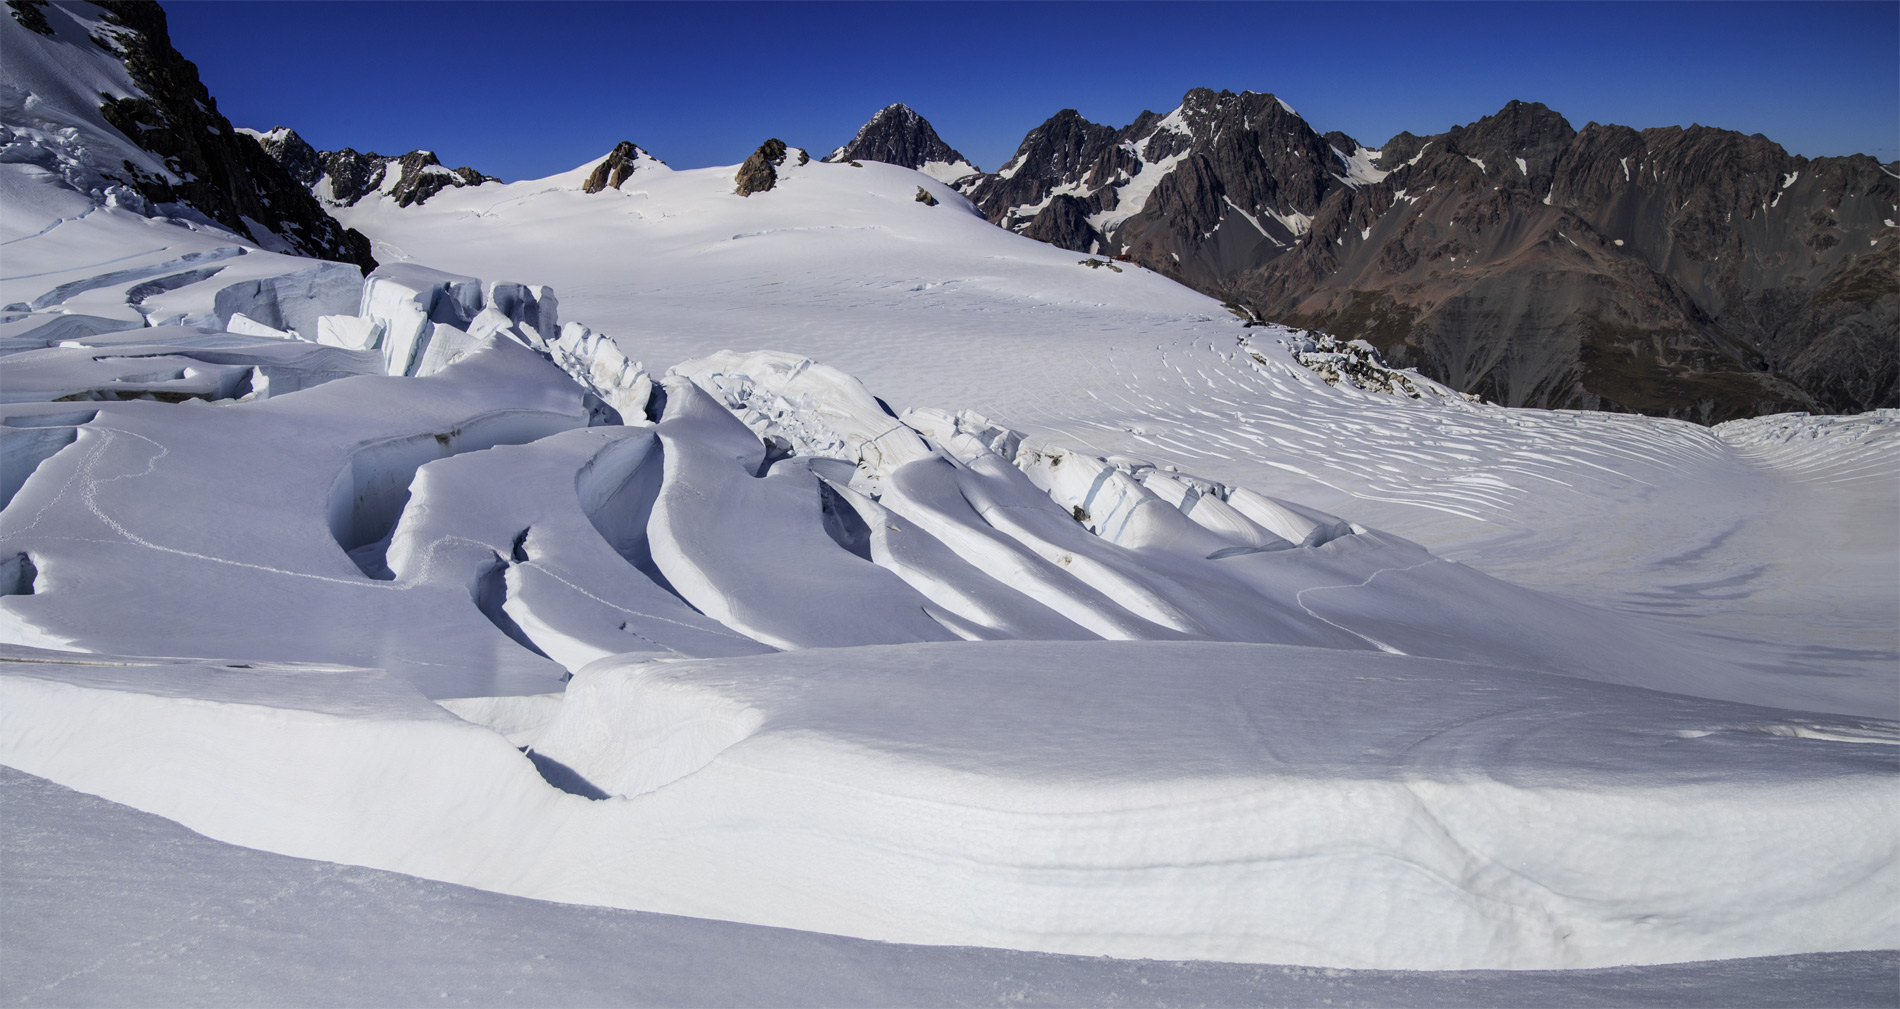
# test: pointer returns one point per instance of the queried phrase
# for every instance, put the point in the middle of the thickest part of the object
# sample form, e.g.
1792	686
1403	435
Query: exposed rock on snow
31	15
619	165
759	172
1356	363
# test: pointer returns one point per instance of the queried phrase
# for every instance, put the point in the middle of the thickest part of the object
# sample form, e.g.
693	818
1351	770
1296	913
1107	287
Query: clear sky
524	90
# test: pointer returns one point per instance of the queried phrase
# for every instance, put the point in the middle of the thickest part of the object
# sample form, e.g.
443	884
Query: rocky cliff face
897	135
1204	193
1694	273
217	170
341	178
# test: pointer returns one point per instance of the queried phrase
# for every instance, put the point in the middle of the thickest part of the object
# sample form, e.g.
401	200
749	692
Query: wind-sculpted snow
1322	806
225	530
745	544
537	515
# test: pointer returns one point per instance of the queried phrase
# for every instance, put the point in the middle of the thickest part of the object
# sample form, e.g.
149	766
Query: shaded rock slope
1695	273
897	135
210	166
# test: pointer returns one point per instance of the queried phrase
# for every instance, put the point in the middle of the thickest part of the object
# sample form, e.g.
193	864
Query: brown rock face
615	170
759	172
1695	273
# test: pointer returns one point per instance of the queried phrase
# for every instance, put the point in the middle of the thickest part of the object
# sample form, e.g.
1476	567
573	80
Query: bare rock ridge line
343	177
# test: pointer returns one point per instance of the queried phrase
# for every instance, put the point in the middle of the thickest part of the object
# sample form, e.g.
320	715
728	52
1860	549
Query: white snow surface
916	583
111	906
1339	808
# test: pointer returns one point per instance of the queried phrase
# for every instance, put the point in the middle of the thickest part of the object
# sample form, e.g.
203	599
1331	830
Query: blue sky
523	90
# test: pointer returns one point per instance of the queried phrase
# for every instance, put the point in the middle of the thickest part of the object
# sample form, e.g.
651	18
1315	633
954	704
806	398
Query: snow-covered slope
931	308
162	915
847	563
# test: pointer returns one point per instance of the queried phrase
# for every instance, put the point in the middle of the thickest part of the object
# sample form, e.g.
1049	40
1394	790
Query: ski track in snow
1300	597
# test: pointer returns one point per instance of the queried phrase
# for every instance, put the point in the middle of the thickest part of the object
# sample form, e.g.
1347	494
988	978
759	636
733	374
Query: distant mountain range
1695	273
341	178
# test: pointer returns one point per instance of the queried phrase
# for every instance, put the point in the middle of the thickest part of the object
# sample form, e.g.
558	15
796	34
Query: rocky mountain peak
1063	145
1195	193
1691	272
1521	130
292	152
897	135
343	177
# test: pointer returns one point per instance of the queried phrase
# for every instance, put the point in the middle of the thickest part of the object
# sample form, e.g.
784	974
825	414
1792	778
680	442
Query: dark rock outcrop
291	152
897	135
619	166
759	172
31	14
1695	273
220	172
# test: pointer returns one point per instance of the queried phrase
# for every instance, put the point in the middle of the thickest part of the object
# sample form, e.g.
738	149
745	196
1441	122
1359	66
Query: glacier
831	561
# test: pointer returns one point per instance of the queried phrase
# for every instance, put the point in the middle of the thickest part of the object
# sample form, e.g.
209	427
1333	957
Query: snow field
118	907
1262	803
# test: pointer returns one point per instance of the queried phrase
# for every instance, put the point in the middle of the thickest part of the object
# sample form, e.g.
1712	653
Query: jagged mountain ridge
1515	257
1202	193
200	160
1696	272
340	178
